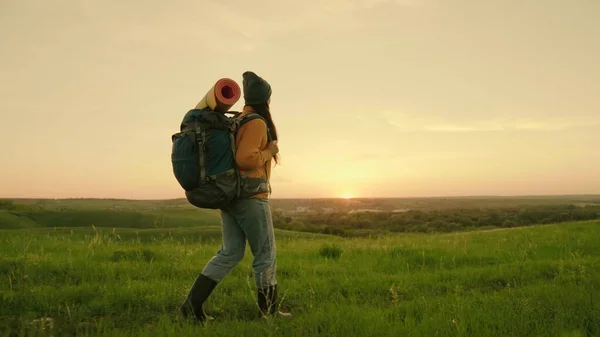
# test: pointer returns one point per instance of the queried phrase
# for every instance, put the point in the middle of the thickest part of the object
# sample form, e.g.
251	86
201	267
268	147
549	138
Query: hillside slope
522	282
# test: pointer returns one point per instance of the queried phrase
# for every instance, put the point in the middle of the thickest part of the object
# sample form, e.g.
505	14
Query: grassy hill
104	213
534	281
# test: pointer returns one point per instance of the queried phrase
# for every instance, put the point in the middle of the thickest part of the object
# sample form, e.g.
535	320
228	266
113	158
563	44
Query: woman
247	218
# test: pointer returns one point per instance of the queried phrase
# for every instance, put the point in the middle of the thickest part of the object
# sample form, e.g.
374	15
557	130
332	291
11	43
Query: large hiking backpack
203	159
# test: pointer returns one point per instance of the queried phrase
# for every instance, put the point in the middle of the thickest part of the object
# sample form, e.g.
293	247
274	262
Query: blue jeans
246	219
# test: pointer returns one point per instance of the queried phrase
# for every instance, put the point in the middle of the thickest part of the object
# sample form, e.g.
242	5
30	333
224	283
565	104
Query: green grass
535	281
31	217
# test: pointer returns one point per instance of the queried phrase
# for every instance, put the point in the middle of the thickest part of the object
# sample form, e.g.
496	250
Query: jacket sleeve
249	155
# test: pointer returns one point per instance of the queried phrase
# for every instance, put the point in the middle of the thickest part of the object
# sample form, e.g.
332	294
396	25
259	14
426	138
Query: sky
371	98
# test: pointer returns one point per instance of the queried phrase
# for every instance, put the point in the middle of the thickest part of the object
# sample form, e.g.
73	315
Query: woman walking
247	218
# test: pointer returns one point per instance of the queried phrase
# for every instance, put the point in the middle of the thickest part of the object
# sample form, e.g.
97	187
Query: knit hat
256	89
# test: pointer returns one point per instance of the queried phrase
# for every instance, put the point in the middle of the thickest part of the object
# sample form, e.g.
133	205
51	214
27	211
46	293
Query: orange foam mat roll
221	96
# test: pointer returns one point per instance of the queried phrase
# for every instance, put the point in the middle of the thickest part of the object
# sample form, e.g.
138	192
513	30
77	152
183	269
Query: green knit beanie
256	89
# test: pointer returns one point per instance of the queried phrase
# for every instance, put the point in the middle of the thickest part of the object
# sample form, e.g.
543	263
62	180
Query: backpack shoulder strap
251	116
248	117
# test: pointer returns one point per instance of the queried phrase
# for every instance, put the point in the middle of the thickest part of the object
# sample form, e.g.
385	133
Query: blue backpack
203	159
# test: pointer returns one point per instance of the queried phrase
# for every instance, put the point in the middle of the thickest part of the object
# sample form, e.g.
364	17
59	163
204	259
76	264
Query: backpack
203	159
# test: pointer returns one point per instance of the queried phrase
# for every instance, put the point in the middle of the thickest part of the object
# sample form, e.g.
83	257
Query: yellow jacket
251	150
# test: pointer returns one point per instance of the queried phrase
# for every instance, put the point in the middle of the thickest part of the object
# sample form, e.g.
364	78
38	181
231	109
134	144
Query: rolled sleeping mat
222	96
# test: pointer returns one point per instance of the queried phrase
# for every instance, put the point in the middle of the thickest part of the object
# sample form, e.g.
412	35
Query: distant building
301	209
365	210
401	210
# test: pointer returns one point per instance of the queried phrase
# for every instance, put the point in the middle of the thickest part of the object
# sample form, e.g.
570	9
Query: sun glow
347	196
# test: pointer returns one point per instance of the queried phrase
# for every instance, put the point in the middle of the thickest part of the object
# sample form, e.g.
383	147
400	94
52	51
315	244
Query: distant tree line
336	223
6	204
361	224
9	205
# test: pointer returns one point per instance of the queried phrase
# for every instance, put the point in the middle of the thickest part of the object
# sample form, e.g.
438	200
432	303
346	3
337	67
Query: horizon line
324	198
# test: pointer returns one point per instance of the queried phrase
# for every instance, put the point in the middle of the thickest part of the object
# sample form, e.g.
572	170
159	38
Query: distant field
434	203
534	281
286	205
328	216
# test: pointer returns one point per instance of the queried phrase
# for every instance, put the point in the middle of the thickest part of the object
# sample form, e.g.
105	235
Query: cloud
461	128
411	123
262	19
556	124
403	3
222	25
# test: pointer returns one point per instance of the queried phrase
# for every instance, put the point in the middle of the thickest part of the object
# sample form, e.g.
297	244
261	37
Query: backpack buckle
235	124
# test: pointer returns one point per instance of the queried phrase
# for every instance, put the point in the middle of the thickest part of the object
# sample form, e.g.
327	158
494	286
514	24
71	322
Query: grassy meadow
101	281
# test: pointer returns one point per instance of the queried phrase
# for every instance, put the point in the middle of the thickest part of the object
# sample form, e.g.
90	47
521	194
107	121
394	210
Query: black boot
267	302
202	288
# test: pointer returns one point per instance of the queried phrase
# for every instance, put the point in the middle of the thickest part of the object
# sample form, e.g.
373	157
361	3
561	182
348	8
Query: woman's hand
273	147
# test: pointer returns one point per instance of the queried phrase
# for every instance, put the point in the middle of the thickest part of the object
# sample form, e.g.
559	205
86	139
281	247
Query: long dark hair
264	110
